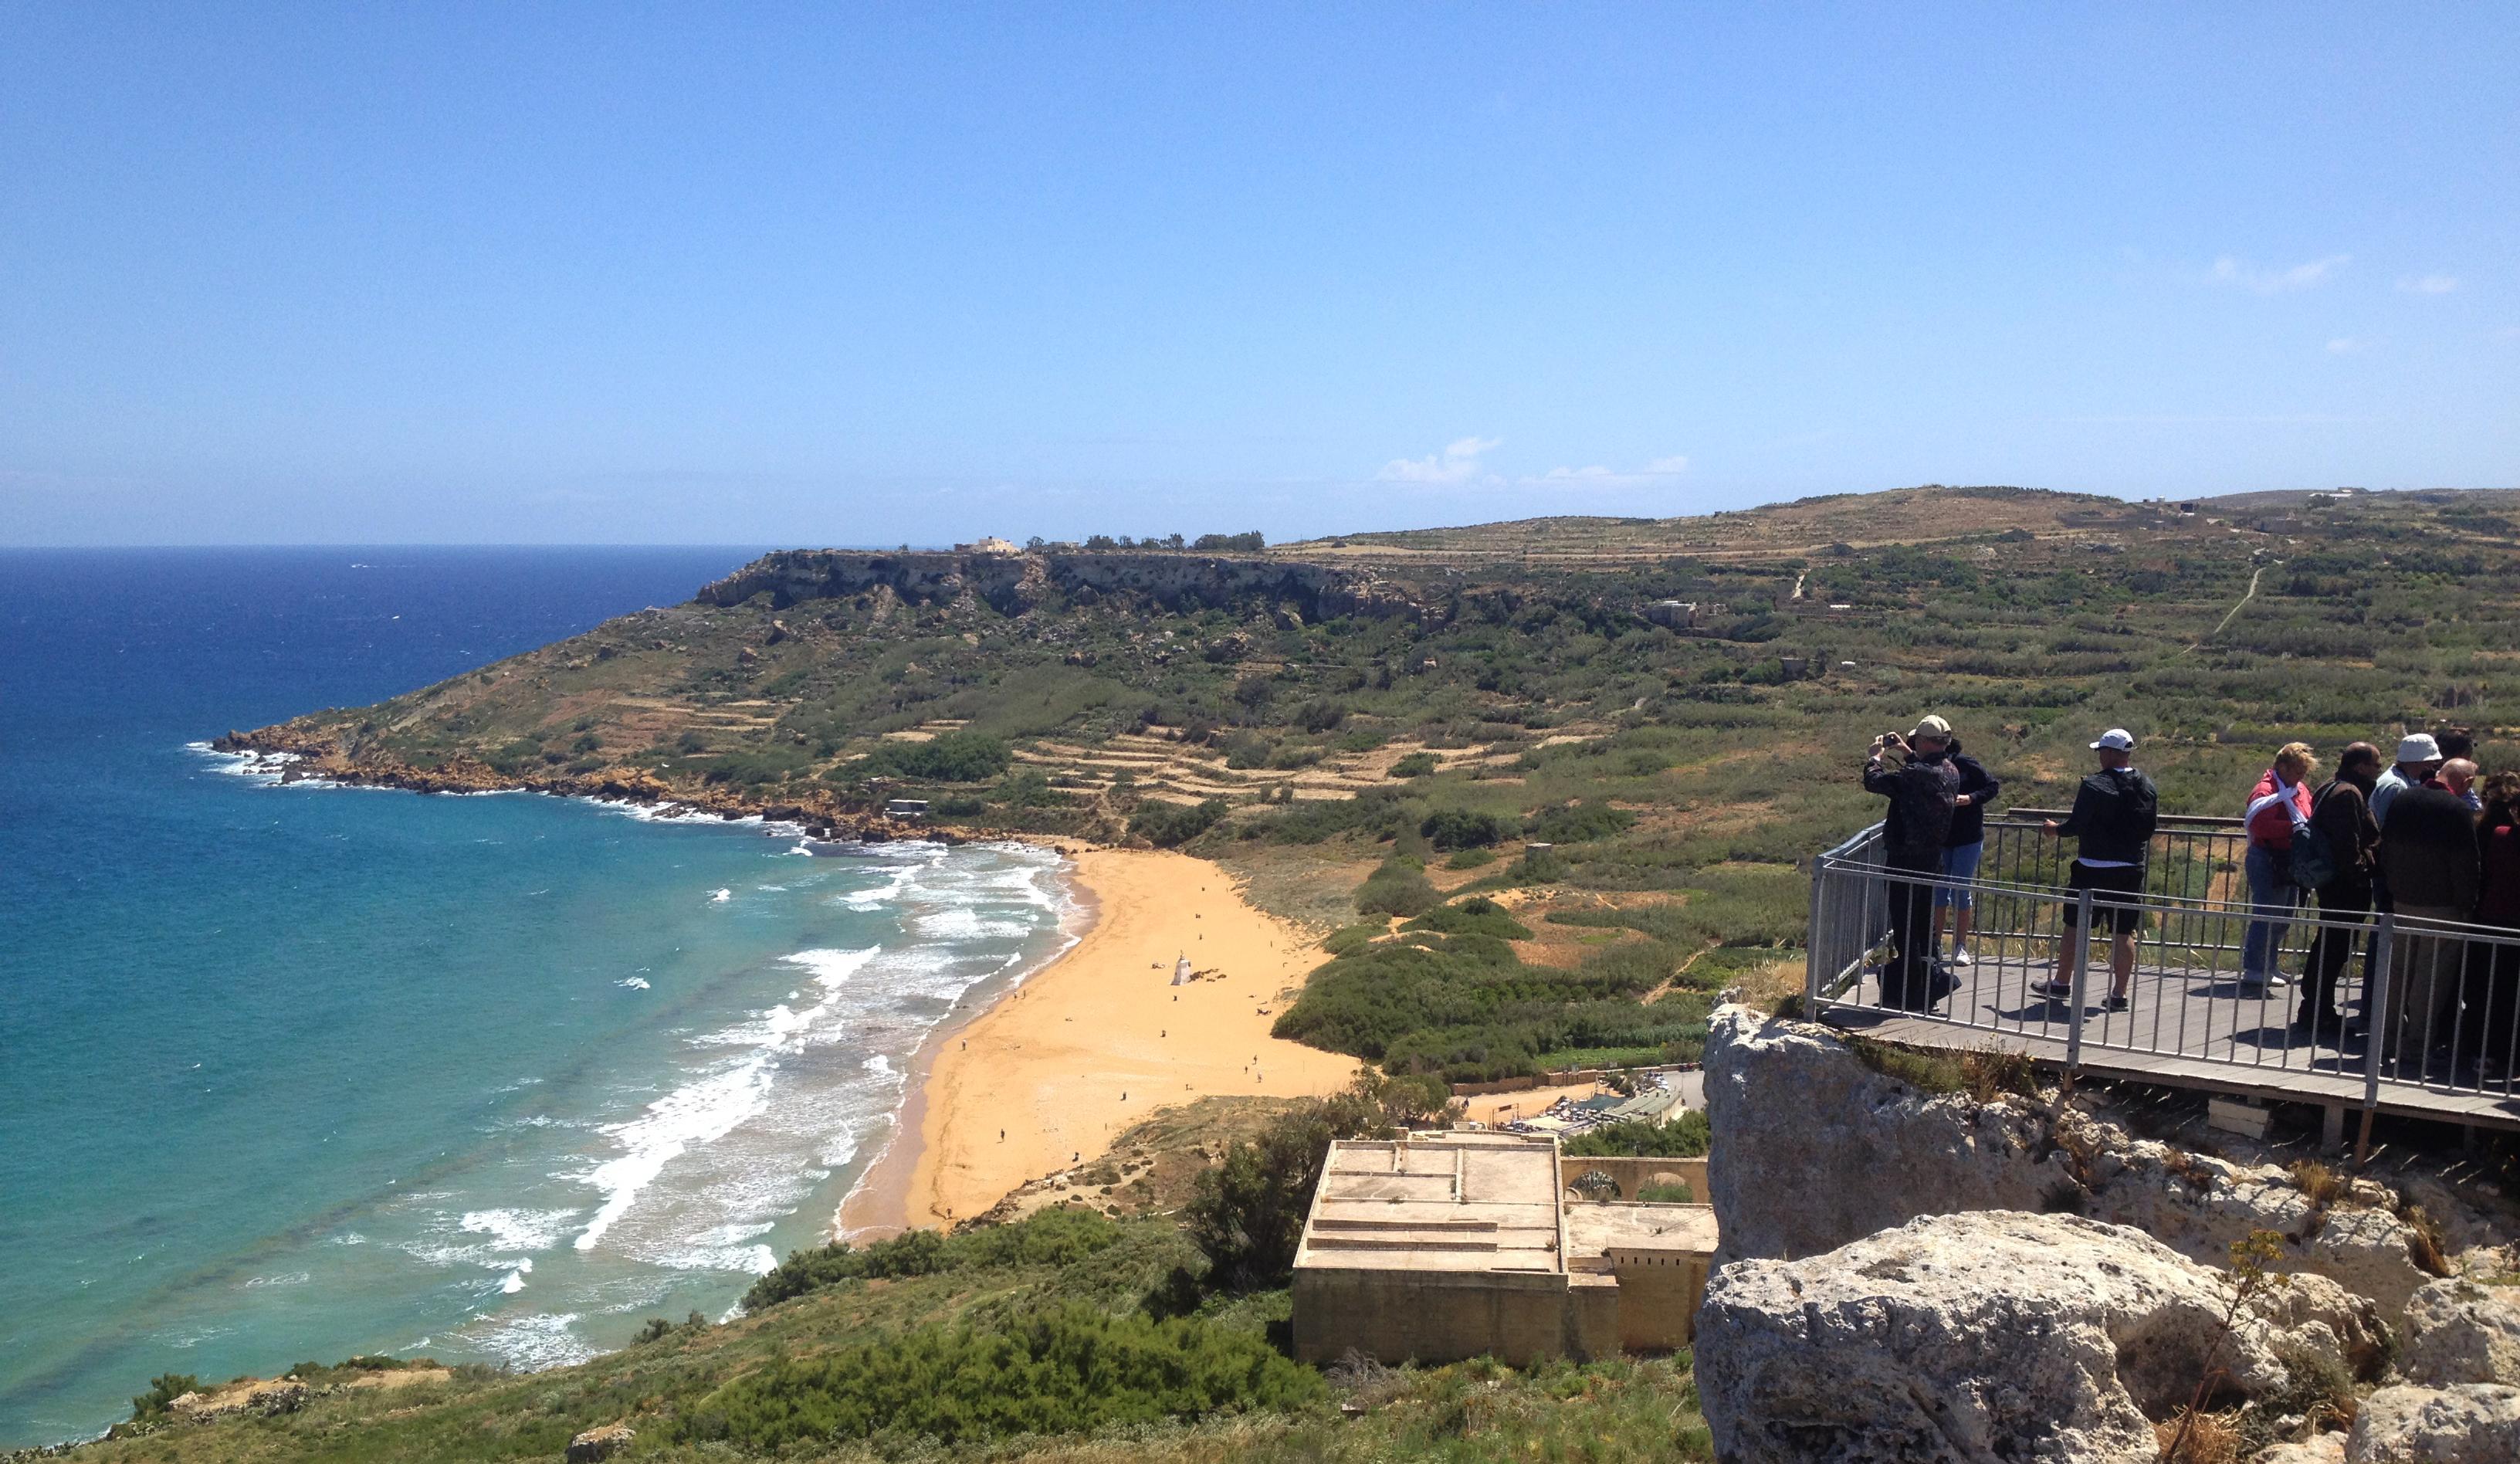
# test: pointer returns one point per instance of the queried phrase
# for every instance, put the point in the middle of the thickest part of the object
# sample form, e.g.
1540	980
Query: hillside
1678	723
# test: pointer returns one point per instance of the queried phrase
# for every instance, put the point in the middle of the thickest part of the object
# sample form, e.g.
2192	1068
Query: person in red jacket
2280	801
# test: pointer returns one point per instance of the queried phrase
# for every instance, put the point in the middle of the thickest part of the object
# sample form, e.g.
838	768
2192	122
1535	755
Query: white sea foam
516	1281
349	1238
720	896
531	1342
518	1229
877	1064
701	1112
634	982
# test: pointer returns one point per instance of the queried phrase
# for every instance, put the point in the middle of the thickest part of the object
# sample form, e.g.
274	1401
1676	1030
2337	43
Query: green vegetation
1248	1216
1685	1136
1070	1370
1054	1237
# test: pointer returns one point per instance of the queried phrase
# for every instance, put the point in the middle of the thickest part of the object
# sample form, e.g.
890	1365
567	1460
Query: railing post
2082	951
1812	942
2375	1028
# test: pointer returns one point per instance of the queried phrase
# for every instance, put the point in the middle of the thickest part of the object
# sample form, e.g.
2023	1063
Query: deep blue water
293	1072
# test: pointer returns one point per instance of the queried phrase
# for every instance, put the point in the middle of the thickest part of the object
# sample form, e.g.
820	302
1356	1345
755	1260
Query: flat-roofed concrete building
1459	1244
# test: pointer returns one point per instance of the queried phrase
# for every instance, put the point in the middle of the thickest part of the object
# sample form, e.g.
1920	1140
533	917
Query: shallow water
294	1073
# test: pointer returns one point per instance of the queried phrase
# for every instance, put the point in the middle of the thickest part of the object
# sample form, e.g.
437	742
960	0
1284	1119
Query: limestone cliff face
1012	583
1813	1149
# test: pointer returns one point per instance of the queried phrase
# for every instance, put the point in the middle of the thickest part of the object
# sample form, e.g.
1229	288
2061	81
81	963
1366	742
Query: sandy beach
1100	1039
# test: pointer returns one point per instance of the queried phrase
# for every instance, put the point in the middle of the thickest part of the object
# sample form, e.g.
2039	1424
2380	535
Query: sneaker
1961	957
2054	989
2114	1004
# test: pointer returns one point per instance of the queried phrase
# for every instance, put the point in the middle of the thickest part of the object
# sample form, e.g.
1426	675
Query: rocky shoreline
300	757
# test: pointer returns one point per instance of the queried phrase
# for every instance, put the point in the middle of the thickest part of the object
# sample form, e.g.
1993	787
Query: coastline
1051	1071
1044	1070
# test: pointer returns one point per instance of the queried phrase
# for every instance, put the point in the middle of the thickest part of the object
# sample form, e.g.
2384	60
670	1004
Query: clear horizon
278	275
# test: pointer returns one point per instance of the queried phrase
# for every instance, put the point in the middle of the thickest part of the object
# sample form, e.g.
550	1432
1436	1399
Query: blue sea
293	1072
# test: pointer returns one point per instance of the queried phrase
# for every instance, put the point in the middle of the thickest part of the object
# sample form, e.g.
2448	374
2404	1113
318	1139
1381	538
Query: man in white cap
2418	758
2114	814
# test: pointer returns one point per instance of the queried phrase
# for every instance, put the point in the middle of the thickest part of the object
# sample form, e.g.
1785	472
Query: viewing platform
2189	1020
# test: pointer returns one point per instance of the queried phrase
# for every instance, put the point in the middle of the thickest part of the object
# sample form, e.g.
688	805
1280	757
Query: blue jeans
2271	898
1959	863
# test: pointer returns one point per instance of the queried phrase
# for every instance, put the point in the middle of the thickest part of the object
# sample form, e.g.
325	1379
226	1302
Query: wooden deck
2184	1027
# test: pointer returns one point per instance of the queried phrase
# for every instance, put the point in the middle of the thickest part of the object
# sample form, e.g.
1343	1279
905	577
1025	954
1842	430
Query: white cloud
1597	476
2231	271
2346	345
2434	284
1459	462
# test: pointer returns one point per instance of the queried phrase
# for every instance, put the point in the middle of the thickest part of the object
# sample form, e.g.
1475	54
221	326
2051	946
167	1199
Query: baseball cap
2418	747
2116	740
1932	726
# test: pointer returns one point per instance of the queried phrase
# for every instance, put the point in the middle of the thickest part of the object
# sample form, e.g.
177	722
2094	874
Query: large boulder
2469	1423
2460	1332
597	1444
1977	1337
2327	1448
1795	1111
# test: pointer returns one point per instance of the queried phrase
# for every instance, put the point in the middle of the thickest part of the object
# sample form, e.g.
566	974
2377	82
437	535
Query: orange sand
1100	1039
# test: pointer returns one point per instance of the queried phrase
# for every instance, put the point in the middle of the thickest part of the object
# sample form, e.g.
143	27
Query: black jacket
1968	822
2342	811
2428	851
2114	814
1920	795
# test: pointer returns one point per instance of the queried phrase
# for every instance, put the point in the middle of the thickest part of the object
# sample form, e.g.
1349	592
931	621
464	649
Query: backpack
2138	806
1925	805
2314	853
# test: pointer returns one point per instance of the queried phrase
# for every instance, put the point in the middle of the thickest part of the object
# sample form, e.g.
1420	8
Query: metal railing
2185	979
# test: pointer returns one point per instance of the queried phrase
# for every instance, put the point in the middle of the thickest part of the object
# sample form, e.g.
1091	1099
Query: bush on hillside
1575	823
1414	766
948	758
1048	1237
1397	886
1477	915
1165	825
1065	1371
1464	828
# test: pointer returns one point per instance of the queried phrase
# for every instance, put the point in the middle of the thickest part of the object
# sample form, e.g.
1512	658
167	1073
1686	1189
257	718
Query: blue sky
830	274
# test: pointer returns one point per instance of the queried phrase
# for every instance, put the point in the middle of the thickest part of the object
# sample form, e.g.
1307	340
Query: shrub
1319	715
1667	1194
1397	886
163	1389
1464	828
1063	1372
1165	825
1048	1237
1414	766
950	757
1470	858
1477	916
1575	823
1685	1136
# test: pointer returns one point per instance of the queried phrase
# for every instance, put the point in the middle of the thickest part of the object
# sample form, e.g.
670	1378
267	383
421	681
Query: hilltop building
1440	1247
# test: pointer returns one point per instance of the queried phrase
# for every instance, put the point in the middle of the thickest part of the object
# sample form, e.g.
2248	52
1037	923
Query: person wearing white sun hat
2114	814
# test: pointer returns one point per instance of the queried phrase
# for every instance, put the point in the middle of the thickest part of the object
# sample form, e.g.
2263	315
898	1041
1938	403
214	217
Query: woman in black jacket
1956	898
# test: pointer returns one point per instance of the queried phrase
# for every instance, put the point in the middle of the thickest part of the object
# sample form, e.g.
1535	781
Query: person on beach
1962	848
2341	813
1921	789
2114	814
2279	801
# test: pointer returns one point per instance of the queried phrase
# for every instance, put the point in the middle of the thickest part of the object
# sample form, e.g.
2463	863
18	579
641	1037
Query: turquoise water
294	1073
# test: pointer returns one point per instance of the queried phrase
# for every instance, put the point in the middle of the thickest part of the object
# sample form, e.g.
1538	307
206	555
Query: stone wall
1439	1317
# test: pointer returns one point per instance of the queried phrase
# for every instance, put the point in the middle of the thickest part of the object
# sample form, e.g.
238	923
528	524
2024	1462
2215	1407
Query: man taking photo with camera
1922	788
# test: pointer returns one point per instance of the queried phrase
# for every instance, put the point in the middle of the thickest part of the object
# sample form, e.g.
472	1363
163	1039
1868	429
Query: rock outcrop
596	1444
1795	1111
1983	1335
2459	1331
2470	1423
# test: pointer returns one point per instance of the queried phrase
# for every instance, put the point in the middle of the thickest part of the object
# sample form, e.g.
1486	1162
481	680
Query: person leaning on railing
2428	856
1963	846
1921	791
2340	814
2114	814
2279	801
